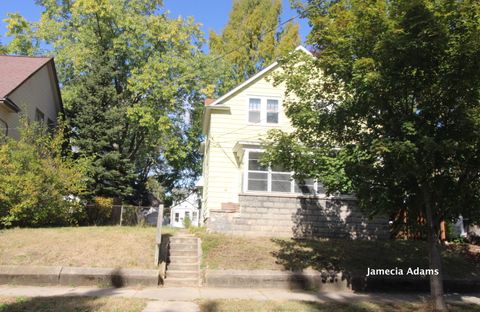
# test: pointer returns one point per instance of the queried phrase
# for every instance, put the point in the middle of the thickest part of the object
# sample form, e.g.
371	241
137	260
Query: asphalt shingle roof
14	70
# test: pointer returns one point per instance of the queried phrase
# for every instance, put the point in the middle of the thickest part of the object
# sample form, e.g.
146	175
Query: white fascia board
254	78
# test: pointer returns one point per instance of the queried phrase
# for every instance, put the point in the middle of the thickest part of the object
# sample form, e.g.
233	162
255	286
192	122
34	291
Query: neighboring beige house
242	197
28	85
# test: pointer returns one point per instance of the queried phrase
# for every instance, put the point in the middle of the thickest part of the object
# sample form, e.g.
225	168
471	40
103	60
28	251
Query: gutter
10	104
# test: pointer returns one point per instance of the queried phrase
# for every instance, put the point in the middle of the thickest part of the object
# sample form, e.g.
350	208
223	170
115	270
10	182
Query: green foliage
100	212
39	185
23	41
388	109
253	38
187	223
133	84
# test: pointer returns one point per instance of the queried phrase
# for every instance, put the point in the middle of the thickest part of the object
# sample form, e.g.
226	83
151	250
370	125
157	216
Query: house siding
223	175
37	92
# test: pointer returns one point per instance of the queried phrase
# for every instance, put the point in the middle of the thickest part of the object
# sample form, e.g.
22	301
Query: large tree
132	78
252	39
389	110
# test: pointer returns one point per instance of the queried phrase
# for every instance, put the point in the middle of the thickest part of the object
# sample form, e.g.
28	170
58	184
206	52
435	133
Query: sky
212	14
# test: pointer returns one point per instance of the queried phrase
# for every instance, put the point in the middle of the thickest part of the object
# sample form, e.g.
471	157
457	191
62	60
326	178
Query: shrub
187	223
39	186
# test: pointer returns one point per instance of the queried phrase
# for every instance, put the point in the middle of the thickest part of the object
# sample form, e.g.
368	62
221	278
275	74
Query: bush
38	185
187	223
100	212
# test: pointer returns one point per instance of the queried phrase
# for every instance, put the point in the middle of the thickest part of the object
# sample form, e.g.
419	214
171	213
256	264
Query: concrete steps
184	261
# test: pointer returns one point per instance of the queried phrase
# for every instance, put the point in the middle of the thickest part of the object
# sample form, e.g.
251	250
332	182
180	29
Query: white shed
188	207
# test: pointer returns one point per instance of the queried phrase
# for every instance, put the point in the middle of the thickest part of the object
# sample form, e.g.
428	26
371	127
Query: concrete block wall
300	217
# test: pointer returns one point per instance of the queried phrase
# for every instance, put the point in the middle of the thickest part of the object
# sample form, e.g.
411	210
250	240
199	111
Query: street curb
77	276
305	280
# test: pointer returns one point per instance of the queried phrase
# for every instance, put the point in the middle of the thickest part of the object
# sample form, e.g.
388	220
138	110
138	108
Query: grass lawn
230	252
301	306
70	304
102	246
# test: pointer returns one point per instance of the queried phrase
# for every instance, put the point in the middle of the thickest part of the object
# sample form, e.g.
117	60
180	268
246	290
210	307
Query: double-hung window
259	178
254	110
263	110
272	111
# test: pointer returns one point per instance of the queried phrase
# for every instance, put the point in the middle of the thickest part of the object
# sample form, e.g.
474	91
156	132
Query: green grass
70	304
93	246
303	306
221	251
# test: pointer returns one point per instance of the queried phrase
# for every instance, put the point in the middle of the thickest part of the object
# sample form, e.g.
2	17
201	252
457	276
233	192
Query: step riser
183	253
183	247
179	284
182	267
185	260
182	274
183	240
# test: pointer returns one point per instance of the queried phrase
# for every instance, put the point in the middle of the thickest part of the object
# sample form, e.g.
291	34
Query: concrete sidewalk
192	293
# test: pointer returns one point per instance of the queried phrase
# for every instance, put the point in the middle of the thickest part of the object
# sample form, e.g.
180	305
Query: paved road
180	299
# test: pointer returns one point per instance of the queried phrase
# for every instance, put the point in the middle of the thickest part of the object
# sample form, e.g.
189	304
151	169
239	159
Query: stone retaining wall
301	217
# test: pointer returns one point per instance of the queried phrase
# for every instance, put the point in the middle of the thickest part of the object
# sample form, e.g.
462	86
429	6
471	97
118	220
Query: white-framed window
187	215
254	110
275	179
263	110
177	217
194	216
272	111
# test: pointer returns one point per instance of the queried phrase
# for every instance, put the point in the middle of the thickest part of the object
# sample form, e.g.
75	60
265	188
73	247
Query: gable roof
15	70
252	79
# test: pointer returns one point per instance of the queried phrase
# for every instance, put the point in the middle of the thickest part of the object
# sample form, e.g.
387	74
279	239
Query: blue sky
212	14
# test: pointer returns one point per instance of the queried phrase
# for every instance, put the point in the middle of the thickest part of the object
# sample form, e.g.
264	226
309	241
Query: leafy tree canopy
252	39
133	81
389	108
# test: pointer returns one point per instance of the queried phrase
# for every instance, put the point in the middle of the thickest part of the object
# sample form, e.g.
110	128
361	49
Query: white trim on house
263	110
252	79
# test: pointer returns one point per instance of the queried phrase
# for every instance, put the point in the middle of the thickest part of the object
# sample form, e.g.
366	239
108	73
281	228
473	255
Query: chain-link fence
121	215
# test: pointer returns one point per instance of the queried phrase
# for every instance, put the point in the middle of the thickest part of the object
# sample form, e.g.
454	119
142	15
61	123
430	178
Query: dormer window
263	110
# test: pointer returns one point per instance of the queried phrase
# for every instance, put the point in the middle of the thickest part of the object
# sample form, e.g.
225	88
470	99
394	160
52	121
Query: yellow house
242	197
28	85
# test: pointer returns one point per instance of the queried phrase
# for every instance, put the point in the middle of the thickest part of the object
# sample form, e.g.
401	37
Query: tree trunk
435	261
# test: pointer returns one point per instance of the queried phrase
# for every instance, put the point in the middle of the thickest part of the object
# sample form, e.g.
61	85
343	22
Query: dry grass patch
221	251
103	246
303	306
71	304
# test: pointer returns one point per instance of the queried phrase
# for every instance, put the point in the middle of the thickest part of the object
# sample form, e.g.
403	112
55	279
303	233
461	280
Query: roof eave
10	104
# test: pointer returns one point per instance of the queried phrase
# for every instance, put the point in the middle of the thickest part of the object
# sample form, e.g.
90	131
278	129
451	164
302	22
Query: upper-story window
272	111
254	110
263	110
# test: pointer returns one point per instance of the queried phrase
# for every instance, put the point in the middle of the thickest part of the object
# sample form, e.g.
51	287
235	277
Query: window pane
39	115
272	117
281	182
254	105
254	110
253	162
254	116
257	181
305	187
272	111
272	106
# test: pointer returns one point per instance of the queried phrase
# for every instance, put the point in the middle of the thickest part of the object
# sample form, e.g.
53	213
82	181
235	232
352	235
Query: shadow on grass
70	304
357	306
352	258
